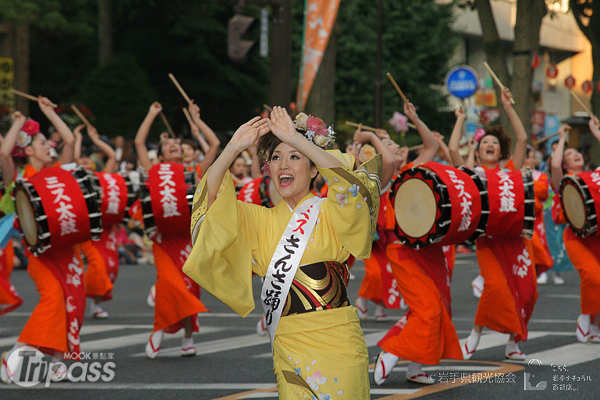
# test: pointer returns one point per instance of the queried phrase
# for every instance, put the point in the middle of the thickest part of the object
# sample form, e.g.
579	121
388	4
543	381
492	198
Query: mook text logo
27	367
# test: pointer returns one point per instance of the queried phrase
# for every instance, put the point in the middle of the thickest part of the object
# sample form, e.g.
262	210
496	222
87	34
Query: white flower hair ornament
315	130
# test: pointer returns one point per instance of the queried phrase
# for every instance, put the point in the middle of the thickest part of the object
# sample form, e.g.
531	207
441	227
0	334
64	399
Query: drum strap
285	262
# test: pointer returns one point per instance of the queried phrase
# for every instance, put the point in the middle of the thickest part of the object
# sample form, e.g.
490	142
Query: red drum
116	196
580	199
438	204
511	202
167	197
260	191
57	208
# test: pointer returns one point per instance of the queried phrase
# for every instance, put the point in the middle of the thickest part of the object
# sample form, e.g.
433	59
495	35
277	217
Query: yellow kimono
318	354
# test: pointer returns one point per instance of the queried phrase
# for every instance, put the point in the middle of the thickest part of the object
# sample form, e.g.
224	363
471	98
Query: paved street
234	363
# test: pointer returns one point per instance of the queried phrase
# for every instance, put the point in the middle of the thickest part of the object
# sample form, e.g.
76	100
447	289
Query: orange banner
318	24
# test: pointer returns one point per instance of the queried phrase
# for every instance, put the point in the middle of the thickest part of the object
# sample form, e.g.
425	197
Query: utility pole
281	53
378	97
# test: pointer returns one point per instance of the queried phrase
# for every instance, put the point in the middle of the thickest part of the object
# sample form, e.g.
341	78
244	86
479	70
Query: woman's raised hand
247	134
281	125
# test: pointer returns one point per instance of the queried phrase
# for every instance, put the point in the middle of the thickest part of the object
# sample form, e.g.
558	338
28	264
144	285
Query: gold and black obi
316	287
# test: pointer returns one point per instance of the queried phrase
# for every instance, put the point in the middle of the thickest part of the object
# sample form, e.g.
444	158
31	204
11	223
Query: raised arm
66	156
282	126
142	135
108	151
209	134
557	157
430	143
388	165
471	157
594	125
255	169
78	140
454	144
521	134
8	144
443	147
245	136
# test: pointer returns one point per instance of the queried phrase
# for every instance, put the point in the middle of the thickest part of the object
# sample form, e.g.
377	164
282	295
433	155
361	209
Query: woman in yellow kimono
319	349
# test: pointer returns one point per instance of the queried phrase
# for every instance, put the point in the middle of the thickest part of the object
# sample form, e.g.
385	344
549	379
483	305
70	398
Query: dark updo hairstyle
502	137
266	146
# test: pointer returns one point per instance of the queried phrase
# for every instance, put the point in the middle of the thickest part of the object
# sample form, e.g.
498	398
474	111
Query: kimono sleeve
352	204
224	238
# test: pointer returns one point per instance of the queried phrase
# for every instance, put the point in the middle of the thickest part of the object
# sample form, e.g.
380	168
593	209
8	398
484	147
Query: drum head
574	207
415	208
273	193
26	217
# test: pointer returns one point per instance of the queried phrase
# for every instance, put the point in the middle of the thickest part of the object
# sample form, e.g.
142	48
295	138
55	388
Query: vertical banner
319	18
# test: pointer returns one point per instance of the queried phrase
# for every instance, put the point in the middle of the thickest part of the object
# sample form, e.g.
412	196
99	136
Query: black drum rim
529	209
43	243
481	183
445	208
590	226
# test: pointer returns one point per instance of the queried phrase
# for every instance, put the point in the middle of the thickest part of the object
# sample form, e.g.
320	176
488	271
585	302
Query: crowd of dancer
274	203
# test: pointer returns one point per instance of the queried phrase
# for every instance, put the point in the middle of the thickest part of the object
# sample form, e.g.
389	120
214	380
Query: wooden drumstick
167	124
581	103
417	147
368	128
188	116
81	116
547	137
400	92
28	96
496	79
178	86
266	107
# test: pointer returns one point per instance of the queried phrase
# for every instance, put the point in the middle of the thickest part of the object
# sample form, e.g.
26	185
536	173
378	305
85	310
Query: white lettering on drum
114	194
465	201
168	200
67	219
507	194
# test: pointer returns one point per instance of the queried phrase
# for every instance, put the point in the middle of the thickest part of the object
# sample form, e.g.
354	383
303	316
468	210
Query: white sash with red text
285	262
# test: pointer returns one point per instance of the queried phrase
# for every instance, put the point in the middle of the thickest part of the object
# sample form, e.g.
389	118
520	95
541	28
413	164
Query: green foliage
417	44
119	95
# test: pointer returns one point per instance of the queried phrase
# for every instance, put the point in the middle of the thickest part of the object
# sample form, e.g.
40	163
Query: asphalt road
235	363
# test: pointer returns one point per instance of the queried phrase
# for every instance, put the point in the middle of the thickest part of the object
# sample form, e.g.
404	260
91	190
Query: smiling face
238	168
489	150
39	151
292	172
171	150
188	153
394	148
573	160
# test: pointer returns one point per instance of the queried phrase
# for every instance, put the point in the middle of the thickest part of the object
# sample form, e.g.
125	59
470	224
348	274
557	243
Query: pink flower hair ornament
315	130
479	133
25	137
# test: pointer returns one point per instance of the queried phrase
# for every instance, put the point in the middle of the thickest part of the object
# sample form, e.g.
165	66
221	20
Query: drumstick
368	128
417	147
391	78
167	124
498	81
178	86
547	137
188	116
81	116
266	107
28	96
581	103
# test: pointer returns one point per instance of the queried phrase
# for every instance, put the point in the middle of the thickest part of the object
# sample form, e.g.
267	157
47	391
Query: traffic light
237	46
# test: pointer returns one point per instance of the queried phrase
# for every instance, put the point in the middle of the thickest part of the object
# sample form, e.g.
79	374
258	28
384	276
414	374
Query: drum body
580	200
260	191
167	197
438	204
116	197
511	202
58	208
